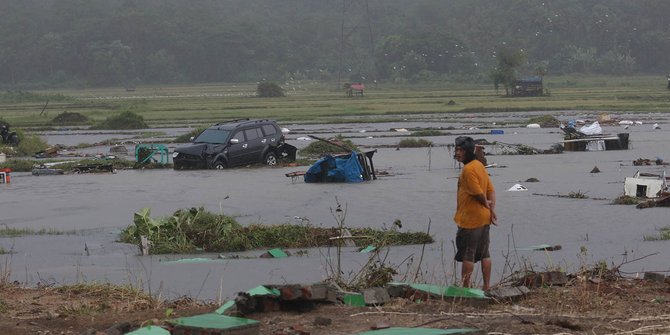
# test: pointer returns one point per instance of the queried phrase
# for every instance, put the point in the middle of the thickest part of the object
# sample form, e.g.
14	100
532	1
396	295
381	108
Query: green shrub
319	148
414	143
125	120
30	144
18	165
66	118
268	89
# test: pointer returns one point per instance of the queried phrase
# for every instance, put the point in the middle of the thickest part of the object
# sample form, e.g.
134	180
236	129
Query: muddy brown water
419	190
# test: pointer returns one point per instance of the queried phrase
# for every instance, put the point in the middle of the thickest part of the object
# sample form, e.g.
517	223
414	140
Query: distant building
528	87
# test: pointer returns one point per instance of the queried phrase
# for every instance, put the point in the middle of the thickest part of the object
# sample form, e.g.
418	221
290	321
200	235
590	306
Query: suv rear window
269	129
210	135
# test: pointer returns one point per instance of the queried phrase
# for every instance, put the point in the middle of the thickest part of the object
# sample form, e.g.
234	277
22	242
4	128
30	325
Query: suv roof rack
230	121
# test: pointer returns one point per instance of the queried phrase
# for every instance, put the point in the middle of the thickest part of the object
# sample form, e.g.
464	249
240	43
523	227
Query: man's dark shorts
472	245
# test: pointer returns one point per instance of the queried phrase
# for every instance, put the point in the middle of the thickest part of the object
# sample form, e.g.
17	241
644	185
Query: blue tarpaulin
335	169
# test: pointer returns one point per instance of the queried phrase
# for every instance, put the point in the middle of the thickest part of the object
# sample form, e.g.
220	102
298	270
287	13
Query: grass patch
663	235
93	298
21	96
195	229
318	103
16	232
427	132
27	165
414	143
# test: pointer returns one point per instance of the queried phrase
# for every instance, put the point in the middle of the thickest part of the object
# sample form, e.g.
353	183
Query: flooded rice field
419	189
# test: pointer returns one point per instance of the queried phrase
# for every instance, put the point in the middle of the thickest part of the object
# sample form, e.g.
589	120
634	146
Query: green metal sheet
225	306
418	331
277	253
149	330
258	290
450	291
354	300
213	321
262	290
368	249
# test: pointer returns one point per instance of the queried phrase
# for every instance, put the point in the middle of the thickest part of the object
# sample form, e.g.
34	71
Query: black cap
465	142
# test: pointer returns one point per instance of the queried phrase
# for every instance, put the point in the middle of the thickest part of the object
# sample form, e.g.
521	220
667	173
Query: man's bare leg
486	272
466	272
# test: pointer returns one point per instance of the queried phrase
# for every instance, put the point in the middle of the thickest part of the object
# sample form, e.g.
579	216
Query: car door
237	151
255	145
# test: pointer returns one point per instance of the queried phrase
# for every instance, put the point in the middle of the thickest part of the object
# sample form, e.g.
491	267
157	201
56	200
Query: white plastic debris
625	122
638	122
285	131
656	126
518	187
592	129
533	126
304	138
401	130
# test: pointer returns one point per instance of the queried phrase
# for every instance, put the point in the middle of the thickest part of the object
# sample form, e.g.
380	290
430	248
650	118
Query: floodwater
419	190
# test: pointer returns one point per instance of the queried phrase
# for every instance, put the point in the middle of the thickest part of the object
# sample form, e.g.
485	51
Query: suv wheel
270	159
219	165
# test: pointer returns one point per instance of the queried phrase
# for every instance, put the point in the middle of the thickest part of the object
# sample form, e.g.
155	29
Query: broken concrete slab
214	324
654	276
376	296
549	278
510	293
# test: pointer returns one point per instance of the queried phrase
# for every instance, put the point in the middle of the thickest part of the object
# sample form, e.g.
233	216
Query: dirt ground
614	306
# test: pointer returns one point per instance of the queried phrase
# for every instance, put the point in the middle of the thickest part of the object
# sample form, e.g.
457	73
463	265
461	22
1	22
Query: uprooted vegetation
545	121
522	149
196	229
414	143
338	144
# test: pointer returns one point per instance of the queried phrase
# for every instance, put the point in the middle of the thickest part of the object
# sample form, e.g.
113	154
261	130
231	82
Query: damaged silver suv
235	143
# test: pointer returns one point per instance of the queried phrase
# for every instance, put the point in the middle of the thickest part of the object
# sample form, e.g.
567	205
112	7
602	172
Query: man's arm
492	206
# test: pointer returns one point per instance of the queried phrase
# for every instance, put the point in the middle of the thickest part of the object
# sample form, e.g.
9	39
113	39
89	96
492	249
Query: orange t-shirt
474	180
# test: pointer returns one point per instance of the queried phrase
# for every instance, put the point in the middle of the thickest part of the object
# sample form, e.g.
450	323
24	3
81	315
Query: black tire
270	159
219	165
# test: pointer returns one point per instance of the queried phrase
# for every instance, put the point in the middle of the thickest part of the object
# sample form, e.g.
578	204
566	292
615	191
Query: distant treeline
129	42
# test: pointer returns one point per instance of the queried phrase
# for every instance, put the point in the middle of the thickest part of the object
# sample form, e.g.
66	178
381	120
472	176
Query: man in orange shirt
475	212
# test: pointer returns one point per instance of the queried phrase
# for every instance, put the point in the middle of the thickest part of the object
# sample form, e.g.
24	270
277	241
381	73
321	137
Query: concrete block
508	293
654	276
376	296
551	278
